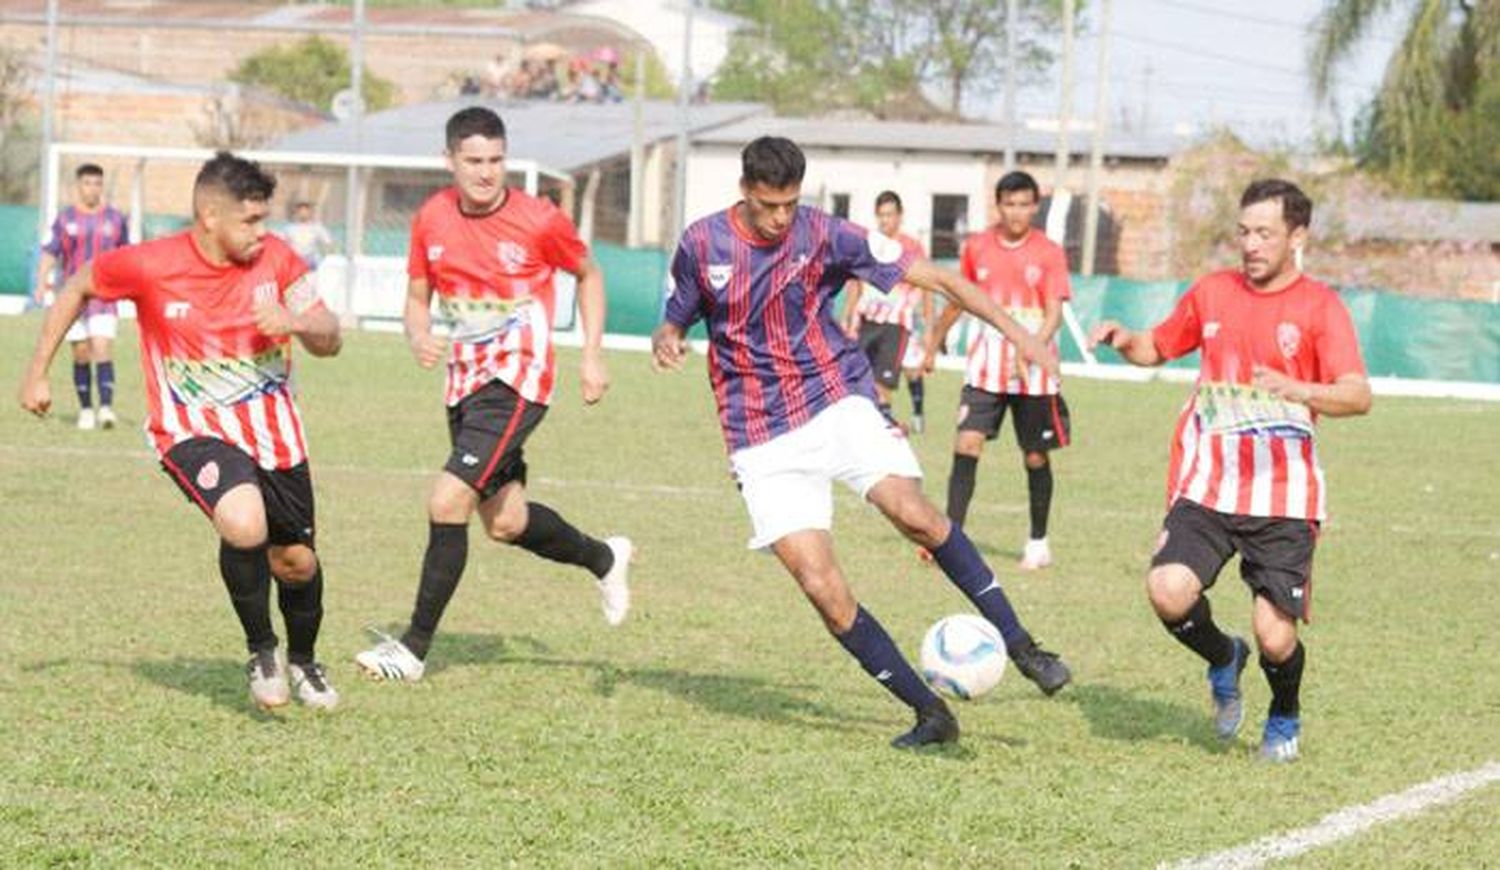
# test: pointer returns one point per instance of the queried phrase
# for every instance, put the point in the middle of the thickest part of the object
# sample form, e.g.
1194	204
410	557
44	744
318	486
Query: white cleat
1038	555
86	419
310	682
107	417
268	685
614	587
391	660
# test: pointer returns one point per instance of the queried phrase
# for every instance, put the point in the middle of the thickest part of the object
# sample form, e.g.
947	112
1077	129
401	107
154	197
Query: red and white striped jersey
1020	278
493	278
1237	449
900	305
209	372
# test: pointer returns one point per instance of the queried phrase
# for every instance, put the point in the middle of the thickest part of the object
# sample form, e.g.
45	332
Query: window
841	205
950	224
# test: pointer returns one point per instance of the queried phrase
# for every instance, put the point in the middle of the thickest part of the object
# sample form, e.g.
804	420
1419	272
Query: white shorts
916	351
92	326
787	482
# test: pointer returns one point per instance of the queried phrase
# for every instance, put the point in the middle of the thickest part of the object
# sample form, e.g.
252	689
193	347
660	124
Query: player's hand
668	349
1035	350
428	349
593	376
1280	384
1111	333
272	319
929	361
851	327
36	395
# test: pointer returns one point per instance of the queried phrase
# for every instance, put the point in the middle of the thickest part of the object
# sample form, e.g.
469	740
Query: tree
20	138
1432	126
311	71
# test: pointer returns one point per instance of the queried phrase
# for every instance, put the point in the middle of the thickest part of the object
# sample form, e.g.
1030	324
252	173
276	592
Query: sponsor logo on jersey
1211	329
177	310
718	275
982	273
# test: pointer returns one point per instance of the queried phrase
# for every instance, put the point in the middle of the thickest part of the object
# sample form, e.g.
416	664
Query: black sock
1197	632
83	385
961	486
869	643
550	536
105	373
885	410
442	565
1039	488
247	576
302	608
918	392
1286	682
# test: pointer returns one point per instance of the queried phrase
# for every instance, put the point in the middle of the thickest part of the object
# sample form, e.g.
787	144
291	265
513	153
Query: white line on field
1350	821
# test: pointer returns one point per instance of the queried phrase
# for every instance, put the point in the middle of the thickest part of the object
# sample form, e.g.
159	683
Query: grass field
720	725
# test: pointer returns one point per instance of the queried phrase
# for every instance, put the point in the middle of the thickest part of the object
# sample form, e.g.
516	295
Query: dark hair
1014	182
89	169
473	121
773	161
240	178
1296	208
890	196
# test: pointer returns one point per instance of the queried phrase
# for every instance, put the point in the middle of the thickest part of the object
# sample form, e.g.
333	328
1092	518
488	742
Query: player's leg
882	344
808	557
1276	562
979	416
83	387
1194	545
292	530
449	506
101	328
918	388
1042	426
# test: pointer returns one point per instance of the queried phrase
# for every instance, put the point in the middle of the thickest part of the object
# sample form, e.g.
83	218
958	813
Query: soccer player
217	305
797	407
1026	274
79	233
307	235
883	322
489	253
1277	351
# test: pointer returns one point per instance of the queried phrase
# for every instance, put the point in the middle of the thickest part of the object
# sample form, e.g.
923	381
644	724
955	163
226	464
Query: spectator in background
469	87
308	237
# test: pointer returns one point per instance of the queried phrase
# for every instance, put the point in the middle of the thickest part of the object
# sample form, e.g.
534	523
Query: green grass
720	725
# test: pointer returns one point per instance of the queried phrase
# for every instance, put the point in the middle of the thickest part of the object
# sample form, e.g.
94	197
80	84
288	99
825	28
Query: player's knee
294	565
1172	590
450	504
243	532
506	527
1036	460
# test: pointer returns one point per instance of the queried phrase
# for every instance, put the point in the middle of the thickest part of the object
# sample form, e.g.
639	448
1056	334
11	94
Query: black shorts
1275	553
206	468
487	429
885	345
1042	423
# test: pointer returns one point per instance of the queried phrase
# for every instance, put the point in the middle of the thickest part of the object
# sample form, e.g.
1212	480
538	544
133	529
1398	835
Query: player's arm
302	315
1137	347
416	321
36	394
592	307
44	273
668	347
959	291
1051	317
853	289
1348	396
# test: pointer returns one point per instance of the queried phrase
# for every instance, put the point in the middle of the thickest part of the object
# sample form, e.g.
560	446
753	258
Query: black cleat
1044	668
935	724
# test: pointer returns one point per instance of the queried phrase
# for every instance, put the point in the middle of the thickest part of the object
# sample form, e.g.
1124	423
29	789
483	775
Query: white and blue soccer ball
963	656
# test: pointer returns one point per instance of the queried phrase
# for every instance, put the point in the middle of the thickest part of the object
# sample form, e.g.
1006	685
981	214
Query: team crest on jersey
434	253
884	249
71	228
1288	338
512	256
265	292
718	275
982	273
1033	275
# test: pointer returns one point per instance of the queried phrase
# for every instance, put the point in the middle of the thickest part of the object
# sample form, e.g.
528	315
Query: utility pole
1065	104
684	92
48	196
353	224
1012	24
1096	153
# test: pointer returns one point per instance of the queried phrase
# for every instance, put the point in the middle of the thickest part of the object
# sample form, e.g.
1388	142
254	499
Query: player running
1277	350
489	253
216	306
797	406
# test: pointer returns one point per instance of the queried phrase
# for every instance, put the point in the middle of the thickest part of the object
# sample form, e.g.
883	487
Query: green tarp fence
1402	336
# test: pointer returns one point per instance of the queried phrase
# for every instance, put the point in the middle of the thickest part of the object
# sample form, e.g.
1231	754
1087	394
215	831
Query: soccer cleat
86	419
935	725
268	686
310	682
1224	685
106	417
1046	669
614	587
390	660
918	425
1036	556
1279	741
924	556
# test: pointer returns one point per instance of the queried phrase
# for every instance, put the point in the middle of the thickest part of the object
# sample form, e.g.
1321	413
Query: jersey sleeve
118	274
1182	331
685	292
53	245
558	243
871	257
1058	285
297	285
416	254
1338	343
968	258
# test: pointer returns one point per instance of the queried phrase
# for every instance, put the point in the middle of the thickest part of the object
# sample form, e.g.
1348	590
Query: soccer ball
963	656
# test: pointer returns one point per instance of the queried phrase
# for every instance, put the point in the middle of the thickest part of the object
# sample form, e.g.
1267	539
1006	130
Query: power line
1300	27
1255	64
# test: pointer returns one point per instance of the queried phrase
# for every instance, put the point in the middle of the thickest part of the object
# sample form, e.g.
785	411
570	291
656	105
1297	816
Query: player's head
1274	219
231	199
888	212
1017	198
771	170
88	180
476	157
302	211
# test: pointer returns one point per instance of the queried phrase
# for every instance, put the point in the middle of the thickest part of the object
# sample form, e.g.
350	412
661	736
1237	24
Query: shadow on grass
1117	714
221	681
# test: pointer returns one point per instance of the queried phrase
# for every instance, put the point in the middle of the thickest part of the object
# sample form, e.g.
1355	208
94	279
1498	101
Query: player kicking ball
217	306
798	408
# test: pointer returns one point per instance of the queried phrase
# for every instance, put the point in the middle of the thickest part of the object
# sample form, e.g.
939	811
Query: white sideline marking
1350	821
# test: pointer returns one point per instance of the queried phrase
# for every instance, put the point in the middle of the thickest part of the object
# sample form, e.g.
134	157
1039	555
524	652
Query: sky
1198	64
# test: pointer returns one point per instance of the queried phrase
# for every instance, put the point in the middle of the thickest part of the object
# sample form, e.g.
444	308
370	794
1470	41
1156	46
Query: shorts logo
1296	591
884	249
512	256
1047	434
1161	541
208	476
469	459
1288	337
1033	276
718	275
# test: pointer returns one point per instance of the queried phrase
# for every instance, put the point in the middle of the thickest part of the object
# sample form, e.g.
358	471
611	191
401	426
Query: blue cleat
1224	683
1279	743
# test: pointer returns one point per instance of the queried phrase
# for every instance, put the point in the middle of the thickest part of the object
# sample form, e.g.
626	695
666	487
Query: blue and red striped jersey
776	353
77	237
